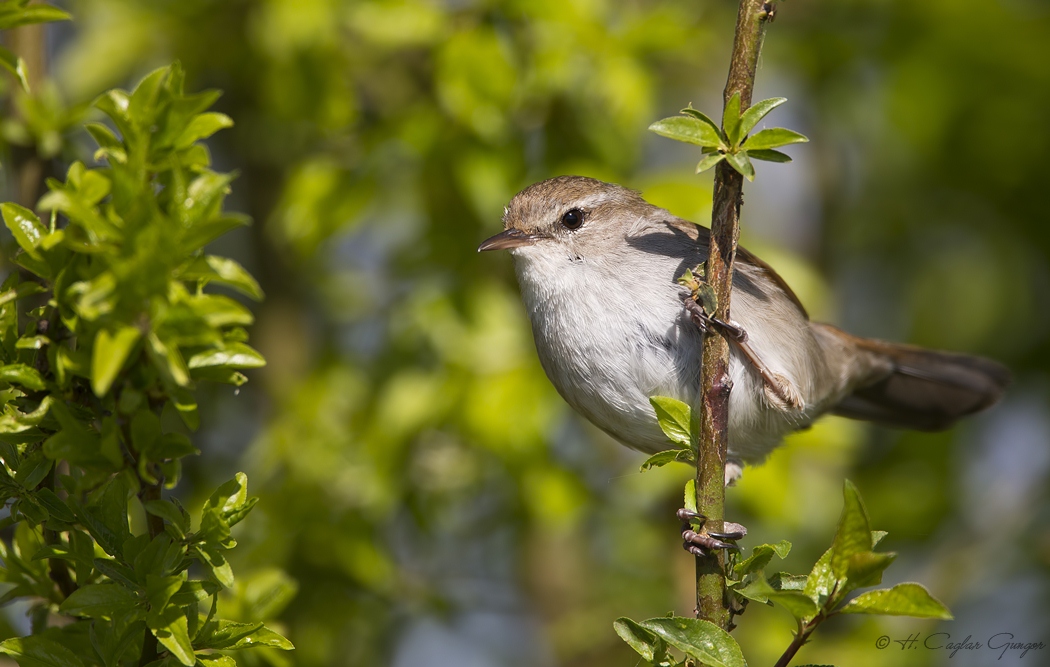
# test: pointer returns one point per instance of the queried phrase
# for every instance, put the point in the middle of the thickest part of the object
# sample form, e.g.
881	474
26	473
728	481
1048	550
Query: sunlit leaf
731	120
202	127
854	531
14	14
24	225
111	350
741	163
772	138
661	459
708	161
698	638
902	600
14	65
688	129
757	112
643	641
25	376
674	418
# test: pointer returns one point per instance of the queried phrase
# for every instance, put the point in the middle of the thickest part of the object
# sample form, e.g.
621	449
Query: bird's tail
927	390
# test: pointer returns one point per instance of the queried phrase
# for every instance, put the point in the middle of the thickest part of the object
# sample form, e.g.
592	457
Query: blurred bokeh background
433	499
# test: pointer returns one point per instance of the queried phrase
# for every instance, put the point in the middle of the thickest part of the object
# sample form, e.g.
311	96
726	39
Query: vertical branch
28	42
711	415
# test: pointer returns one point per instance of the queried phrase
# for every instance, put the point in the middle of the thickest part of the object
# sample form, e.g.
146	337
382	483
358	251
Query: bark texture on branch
711	414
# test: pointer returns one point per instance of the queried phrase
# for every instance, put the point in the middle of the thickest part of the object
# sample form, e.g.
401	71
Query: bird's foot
783	394
702	543
780	392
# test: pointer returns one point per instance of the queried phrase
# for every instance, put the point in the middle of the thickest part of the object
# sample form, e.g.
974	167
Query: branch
711	416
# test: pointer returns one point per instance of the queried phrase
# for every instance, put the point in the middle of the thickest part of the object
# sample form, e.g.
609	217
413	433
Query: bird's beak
507	239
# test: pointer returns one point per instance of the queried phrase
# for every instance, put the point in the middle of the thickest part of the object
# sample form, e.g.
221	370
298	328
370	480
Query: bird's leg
779	390
702	542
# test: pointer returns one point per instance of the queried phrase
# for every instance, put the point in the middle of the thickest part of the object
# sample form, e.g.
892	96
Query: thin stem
801	637
711	416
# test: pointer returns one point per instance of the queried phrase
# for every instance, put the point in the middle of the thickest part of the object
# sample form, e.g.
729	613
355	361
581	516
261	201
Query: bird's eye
572	219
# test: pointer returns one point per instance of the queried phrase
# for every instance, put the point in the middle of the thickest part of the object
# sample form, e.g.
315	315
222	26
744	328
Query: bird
598	270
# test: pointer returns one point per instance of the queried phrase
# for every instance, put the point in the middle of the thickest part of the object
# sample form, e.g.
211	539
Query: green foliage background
420	480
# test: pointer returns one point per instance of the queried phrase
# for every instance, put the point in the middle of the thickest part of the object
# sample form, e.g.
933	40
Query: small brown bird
597	265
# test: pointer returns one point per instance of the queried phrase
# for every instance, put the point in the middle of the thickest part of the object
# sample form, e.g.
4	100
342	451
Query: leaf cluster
104	334
732	141
850	564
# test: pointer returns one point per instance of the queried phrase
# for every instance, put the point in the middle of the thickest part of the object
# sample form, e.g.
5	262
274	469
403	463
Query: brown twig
711	416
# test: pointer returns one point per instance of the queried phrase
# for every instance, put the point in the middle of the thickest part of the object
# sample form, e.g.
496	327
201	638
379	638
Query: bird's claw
702	543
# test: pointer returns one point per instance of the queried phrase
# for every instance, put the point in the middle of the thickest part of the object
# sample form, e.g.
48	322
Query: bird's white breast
608	341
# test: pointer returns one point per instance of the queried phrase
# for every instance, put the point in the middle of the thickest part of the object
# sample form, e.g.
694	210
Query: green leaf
32	342
865	569
23	375
39	651
702	117
797	603
194	591
902	600
106	517
768	155
731	120
661	459
25	227
230	496
111	351
219	311
700	639
644	642
760	557
757	112
230	635
674	417
172	446
33	469
211	268
217	564
854	532
12	16
21	290
783	581
201	127
55	506
170	512
207	230
708	161
159	590
14	65
689	130
172	631
741	163
773	137
168	360
876	537
230	355
689	495
99	601
821	579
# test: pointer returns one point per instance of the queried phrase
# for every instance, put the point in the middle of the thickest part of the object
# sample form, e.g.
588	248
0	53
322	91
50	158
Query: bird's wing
743	256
